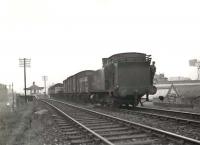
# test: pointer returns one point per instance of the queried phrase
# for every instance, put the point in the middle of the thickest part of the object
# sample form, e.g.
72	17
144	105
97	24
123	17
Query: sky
64	37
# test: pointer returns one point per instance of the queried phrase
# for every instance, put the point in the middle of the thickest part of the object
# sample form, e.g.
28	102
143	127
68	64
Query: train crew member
152	74
152	71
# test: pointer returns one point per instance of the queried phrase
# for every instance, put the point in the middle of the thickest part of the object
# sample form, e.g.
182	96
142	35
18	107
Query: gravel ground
44	130
24	127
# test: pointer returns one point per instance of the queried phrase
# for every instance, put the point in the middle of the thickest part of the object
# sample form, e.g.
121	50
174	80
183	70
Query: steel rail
104	140
163	116
170	111
155	131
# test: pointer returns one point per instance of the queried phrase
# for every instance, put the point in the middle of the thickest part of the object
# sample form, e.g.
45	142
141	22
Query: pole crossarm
24	62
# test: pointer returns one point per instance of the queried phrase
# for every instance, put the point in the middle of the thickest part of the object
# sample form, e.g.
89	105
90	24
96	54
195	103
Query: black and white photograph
99	72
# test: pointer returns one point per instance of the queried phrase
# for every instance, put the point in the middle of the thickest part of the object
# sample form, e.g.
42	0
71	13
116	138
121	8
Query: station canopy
34	87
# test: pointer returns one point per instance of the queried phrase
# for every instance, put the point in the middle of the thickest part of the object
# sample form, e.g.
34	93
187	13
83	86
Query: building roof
187	90
191	91
161	92
34	87
180	82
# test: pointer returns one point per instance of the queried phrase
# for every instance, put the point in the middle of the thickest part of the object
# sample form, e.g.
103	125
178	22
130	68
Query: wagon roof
127	57
162	92
188	91
56	85
128	53
79	73
180	82
85	71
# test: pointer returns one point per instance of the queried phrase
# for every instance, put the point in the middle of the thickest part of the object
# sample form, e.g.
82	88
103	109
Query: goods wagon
79	85
98	81
83	81
55	89
69	85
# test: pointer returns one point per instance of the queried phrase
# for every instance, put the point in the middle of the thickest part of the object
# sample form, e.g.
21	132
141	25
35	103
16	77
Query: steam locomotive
123	79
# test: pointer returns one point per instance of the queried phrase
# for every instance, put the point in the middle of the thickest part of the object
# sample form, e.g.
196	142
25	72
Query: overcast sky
63	37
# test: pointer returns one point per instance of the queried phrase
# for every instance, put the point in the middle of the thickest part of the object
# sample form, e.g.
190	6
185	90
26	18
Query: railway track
177	114
177	125
106	129
184	117
71	131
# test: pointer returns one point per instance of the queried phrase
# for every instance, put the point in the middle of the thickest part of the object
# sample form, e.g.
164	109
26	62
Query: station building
34	89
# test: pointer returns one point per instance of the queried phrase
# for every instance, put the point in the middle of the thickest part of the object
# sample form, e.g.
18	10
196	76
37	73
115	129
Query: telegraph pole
44	78
24	63
13	100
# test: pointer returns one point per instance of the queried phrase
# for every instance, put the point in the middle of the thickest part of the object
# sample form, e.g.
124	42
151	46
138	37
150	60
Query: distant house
160	78
179	78
185	92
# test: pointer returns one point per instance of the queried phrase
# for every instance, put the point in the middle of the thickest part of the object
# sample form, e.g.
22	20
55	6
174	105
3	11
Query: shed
170	94
178	93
